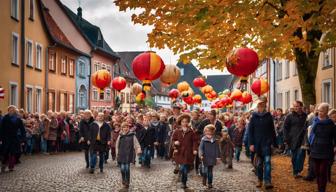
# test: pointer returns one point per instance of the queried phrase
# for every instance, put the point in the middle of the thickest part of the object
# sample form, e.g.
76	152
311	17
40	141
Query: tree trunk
307	69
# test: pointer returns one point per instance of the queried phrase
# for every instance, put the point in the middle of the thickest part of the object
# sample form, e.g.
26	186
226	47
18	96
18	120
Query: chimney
79	12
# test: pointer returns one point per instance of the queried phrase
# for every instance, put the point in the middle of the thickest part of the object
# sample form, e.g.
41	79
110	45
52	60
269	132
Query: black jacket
147	137
105	133
295	129
126	152
261	133
324	141
84	128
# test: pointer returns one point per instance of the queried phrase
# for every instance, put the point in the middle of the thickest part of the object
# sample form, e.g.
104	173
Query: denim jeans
146	156
298	157
44	146
237	153
30	145
93	159
208	173
264	168
184	173
125	172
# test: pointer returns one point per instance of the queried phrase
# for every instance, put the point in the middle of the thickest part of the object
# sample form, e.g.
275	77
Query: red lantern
236	95
174	93
199	82
119	83
101	79
197	99
246	97
147	67
214	106
188	100
260	86
242	62
219	104
227	101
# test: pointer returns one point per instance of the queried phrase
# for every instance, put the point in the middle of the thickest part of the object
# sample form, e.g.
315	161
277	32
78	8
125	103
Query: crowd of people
193	140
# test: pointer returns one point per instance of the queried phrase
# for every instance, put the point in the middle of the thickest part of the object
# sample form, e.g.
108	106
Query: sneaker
176	171
210	186
91	170
297	176
87	166
101	171
259	184
204	181
229	167
184	186
268	185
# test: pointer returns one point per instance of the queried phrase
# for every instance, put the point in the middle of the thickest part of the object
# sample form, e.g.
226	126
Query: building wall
35	33
162	101
126	98
286	84
326	74
107	102
82	83
62	87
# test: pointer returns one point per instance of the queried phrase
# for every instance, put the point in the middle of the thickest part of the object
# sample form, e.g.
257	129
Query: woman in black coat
322	140
99	138
12	134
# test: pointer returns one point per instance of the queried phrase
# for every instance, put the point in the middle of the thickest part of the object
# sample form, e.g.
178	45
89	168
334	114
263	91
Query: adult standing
84	132
10	126
99	138
44	130
322	141
53	129
261	137
211	119
294	132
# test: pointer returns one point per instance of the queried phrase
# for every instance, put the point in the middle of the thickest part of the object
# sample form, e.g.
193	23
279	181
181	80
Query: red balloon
242	62
199	82
148	66
119	83
174	93
246	97
188	100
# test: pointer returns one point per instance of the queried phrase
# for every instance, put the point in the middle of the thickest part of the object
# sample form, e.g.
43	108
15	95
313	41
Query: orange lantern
260	86
246	97
170	75
197	99
101	79
136	88
236	95
147	67
119	83
207	89
183	86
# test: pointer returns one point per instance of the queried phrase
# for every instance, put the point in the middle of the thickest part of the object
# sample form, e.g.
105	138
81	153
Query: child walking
185	147
226	148
238	134
127	146
209	153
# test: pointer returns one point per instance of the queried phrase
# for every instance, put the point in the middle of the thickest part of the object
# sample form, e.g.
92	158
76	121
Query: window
287	69
38	103
29	100
95	94
108	94
326	91
287	100
38	56
71	103
52	100
13	99
64	65
103	66
15	9
182	71
71	67
15	48
63	102
31	9
326	58
81	70
296	95
96	67
30	53
127	98
108	68
52	60
295	70
82	96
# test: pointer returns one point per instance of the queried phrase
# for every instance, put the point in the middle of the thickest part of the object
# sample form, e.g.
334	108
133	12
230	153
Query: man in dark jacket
146	140
261	136
211	119
99	138
294	132
84	132
10	126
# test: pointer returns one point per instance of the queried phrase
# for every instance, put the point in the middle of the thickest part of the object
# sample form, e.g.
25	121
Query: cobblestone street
66	172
